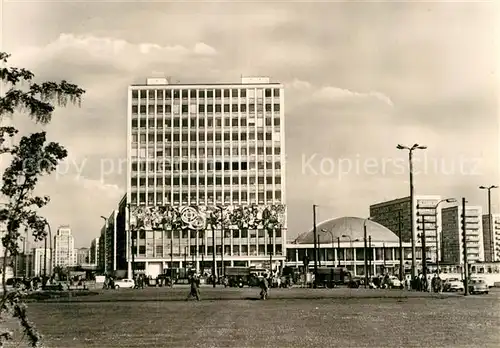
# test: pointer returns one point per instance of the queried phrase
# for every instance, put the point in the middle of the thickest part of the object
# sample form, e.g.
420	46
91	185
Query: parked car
124	283
478	286
453	285
394	283
355	283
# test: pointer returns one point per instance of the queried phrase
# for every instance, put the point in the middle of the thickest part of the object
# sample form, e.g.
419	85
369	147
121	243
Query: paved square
158	317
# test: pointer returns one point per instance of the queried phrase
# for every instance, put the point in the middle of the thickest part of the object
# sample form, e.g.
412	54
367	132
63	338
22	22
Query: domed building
341	243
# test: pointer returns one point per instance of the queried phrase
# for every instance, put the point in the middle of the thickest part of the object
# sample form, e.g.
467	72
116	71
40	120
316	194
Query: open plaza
296	317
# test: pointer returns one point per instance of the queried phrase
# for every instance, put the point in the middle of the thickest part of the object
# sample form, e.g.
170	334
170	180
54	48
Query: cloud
298	85
343	66
110	53
108	190
204	49
339	94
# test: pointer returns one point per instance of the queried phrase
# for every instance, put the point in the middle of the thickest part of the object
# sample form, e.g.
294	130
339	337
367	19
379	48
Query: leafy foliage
32	158
38	99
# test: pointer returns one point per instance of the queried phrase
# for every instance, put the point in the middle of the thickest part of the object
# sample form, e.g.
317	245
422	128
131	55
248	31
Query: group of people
109	282
421	283
194	291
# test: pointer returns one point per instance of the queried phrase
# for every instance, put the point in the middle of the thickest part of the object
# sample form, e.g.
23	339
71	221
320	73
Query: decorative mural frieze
200	217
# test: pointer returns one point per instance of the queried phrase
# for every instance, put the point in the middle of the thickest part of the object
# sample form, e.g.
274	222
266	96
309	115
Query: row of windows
200	108
138	181
218	136
238	250
191	191
218	151
349	254
210	198
235	233
200	122
178	166
201	93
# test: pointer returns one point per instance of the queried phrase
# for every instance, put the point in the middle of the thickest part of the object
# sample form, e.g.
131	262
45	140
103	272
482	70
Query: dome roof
348	226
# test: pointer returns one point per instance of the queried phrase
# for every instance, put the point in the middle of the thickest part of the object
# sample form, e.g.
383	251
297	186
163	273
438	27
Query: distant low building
340	243
40	265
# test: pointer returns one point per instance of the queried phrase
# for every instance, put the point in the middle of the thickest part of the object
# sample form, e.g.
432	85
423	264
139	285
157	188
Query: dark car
478	286
354	283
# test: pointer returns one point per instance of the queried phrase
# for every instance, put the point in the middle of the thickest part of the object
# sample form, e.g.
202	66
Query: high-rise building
452	234
64	250
94	251
387	214
202	147
491	237
108	244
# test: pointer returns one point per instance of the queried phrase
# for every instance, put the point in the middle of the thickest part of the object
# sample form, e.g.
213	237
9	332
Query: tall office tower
64	248
386	213
206	147
491	237
94	251
452	234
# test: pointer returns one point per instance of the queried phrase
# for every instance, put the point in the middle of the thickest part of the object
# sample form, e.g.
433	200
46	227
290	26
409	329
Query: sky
359	79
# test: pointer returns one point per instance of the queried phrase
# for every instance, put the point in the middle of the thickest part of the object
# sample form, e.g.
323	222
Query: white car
124	283
394	282
453	285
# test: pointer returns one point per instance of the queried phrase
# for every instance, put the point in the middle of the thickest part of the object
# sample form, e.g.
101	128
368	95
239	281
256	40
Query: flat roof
206	84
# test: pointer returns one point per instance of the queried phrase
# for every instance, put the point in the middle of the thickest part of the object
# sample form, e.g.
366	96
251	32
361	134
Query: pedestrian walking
264	287
194	290
439	284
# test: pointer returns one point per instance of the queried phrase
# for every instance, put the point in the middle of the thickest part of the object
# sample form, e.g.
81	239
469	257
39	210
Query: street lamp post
370	254
45	251
490	223
338	251
435	216
364	251
133	236
315	243
351	247
401	253
185	260
448	200
221	208
410	159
